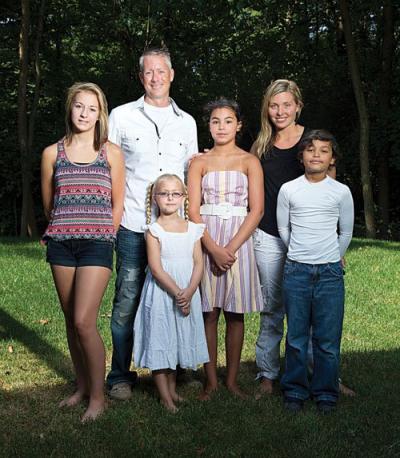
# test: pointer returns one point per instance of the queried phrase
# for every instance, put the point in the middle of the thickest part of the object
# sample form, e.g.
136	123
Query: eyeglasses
165	195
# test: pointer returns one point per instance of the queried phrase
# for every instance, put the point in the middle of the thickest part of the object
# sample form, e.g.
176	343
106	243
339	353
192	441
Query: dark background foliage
219	47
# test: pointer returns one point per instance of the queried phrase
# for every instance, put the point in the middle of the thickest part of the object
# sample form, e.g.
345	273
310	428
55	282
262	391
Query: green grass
37	374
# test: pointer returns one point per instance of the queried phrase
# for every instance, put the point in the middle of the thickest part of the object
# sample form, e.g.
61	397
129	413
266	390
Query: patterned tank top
82	199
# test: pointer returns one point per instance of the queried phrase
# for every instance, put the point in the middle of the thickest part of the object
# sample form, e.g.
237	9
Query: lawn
35	373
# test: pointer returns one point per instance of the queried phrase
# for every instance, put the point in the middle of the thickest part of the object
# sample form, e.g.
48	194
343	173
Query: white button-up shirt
149	152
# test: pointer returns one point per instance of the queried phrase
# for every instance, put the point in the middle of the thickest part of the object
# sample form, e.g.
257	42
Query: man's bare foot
236	391
94	410
170	406
346	391
73	400
266	387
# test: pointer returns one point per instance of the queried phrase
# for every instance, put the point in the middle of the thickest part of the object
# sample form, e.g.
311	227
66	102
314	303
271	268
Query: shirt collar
139	104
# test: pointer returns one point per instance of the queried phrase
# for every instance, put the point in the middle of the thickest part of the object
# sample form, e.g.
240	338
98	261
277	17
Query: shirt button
160	170
159	154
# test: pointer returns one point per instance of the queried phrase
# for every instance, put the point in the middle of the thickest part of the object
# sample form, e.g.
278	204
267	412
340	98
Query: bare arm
185	295
49	156
256	204
154	260
221	255
117	165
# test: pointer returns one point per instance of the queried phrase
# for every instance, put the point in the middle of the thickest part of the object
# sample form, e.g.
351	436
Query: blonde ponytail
149	199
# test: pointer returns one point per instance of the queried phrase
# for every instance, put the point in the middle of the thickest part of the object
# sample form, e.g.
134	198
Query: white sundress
164	337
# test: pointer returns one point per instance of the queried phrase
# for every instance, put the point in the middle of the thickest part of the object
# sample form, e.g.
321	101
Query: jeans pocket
289	268
256	238
335	269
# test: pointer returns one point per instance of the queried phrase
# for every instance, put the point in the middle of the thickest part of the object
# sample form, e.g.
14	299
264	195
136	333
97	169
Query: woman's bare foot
73	400
170	406
266	387
207	393
236	391
95	409
346	391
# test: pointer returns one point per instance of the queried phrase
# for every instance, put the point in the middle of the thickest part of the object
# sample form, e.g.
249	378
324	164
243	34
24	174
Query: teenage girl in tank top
83	181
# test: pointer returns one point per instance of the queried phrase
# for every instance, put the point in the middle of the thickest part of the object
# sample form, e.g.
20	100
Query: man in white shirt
156	137
309	210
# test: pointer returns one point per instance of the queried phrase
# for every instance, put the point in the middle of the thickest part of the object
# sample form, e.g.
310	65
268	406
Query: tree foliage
224	47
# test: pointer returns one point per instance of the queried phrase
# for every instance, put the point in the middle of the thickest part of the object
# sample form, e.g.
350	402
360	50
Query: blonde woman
83	181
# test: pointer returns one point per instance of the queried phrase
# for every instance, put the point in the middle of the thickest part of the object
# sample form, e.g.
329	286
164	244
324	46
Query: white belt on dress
224	210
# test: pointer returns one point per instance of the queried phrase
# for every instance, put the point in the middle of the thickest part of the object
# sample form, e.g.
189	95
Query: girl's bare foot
73	400
207	393
236	391
170	406
346	391
95	409
176	398
266	387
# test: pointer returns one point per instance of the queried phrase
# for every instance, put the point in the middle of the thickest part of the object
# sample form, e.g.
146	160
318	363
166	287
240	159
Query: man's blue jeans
313	295
131	263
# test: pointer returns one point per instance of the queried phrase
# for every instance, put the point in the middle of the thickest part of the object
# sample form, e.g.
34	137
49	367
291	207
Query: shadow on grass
364	426
11	328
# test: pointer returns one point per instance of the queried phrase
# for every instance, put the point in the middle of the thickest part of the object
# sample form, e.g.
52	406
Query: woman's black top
279	166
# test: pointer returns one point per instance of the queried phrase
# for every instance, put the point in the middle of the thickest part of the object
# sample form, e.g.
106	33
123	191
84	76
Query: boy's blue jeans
130	266
313	295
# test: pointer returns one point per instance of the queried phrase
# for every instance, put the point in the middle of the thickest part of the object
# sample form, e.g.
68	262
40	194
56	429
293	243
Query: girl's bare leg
172	387
90	284
210	368
161	379
233	344
64	279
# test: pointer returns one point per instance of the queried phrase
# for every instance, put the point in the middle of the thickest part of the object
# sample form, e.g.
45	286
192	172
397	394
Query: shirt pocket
176	150
138	149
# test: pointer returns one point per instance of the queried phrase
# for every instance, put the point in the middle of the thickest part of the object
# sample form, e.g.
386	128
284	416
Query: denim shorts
80	253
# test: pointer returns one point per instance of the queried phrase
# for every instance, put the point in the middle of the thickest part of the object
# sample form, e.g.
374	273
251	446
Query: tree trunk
384	98
364	121
28	223
38	76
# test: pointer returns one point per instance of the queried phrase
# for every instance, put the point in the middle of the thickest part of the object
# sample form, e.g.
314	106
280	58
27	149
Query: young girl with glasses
169	328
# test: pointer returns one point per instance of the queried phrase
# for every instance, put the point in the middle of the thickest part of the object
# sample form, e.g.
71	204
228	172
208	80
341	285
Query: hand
183	299
200	153
343	262
223	258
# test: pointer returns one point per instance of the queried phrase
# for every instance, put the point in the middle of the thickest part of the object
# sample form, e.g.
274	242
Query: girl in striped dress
83	181
226	193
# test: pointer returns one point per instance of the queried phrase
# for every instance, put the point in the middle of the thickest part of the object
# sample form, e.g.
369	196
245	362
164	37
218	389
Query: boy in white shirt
310	208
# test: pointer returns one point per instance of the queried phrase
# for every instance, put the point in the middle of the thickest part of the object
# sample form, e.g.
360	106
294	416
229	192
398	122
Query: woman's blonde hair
266	136
152	189
101	129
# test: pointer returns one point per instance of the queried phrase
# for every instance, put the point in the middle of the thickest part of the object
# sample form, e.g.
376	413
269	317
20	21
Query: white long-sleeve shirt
308	215
150	150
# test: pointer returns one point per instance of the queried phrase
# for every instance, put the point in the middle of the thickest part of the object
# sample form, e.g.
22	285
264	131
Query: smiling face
84	111
224	126
156	78
317	157
282	110
169	195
